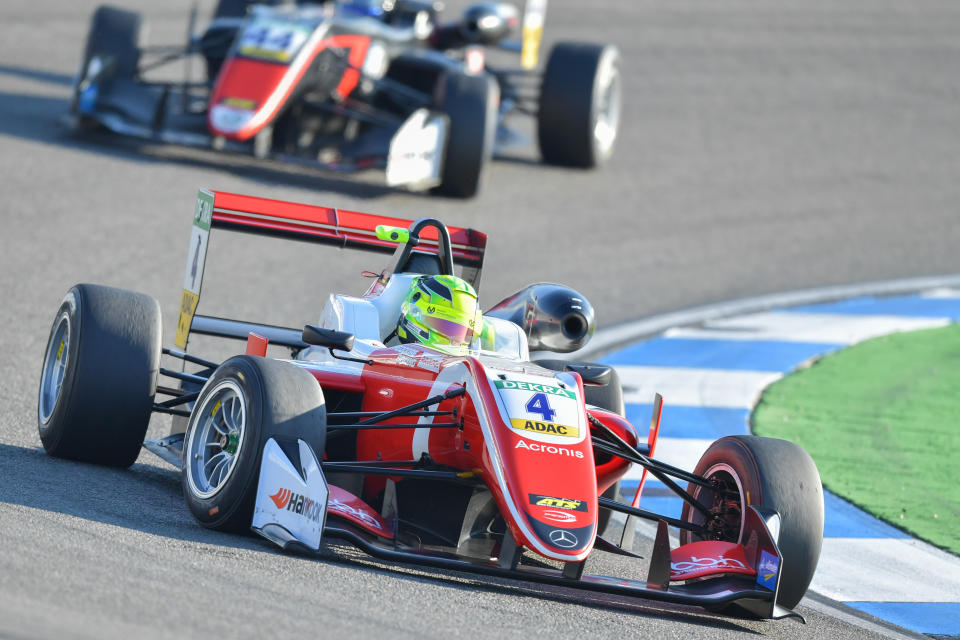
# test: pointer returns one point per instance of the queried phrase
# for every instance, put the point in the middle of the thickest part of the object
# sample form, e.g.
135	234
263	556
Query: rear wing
322	225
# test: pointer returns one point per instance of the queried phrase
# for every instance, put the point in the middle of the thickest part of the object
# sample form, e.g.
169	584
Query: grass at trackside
882	421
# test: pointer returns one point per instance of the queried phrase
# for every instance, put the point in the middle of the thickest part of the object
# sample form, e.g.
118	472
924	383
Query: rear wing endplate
322	225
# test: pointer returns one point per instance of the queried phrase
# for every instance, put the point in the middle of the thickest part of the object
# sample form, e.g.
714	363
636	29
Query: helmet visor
456	333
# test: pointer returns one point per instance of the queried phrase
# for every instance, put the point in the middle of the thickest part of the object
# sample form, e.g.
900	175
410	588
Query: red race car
350	85
418	429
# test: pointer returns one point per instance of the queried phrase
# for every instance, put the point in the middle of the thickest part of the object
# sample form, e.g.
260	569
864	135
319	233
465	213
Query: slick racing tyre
579	105
470	102
246	401
99	375
112	50
606	396
770	473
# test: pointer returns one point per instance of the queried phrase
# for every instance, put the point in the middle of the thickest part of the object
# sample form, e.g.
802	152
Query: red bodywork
519	471
265	86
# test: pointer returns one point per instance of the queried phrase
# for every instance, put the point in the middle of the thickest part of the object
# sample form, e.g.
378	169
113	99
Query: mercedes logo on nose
563	539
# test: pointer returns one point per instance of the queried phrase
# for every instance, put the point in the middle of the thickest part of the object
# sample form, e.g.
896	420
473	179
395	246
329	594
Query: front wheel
580	101
99	375
770	473
244	403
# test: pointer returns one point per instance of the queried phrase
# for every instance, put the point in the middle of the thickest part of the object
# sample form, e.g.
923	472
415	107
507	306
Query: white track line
886	570
694	387
788	326
608	338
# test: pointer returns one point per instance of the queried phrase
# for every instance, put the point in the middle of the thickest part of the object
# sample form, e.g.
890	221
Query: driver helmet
440	312
372	8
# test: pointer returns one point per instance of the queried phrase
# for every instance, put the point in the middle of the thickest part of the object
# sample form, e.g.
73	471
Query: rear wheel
112	50
99	375
470	102
245	402
770	473
580	100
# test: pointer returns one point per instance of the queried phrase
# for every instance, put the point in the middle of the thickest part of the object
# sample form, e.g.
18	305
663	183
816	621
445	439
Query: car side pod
292	495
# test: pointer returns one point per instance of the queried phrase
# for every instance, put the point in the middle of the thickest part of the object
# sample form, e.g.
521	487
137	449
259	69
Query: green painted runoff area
882	421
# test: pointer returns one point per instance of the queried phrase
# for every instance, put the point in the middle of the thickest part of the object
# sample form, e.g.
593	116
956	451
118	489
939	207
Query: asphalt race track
765	147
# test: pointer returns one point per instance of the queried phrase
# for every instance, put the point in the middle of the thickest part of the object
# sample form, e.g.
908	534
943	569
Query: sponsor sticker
287	500
239	103
407	349
539	408
273	40
558	503
545	427
768	570
429	363
697	564
548	448
559	516
188	306
343	507
521	385
196	258
563	539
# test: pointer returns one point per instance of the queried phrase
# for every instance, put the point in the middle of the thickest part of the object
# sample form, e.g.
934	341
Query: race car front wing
299	528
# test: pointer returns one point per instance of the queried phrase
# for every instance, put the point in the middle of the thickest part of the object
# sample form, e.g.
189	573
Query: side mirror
591	373
329	338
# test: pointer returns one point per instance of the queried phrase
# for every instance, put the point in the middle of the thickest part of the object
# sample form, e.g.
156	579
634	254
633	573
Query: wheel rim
55	365
728	513
608	110
216	439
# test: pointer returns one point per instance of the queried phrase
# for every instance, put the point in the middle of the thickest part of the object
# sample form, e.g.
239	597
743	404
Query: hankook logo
281	498
287	500
563	539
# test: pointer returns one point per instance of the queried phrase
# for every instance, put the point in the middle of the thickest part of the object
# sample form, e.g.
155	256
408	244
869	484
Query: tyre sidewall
52	429
231	502
608	64
570	100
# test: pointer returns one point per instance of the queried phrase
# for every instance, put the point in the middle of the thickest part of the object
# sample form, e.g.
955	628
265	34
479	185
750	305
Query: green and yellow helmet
440	311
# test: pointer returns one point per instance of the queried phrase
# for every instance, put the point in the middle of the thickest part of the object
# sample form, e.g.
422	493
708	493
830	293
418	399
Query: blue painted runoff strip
739	355
916	306
934	618
707	423
843	520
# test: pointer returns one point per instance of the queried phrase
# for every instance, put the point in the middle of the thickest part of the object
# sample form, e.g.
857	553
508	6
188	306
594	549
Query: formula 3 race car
352	85
473	459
